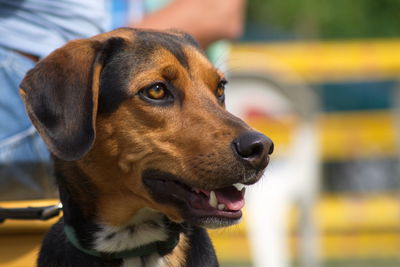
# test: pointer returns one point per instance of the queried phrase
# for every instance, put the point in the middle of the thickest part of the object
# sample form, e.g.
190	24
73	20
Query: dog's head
142	114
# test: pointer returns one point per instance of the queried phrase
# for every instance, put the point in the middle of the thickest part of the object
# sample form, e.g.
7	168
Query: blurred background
331	67
321	79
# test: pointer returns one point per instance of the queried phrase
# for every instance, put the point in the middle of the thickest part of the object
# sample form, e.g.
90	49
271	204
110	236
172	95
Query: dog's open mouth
224	203
224	199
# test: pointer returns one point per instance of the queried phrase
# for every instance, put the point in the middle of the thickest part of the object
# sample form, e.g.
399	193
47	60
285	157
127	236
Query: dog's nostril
253	148
271	148
249	150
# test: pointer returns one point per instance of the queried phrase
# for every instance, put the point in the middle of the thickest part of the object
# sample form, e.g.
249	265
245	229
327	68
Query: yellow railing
20	240
322	61
343	135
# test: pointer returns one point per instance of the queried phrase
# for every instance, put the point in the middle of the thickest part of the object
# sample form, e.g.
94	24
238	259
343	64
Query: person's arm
206	20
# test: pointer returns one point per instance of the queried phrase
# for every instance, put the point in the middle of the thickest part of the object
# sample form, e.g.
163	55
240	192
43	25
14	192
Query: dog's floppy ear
61	96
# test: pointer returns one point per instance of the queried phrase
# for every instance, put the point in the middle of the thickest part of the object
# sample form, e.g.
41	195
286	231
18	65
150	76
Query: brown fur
178	256
152	142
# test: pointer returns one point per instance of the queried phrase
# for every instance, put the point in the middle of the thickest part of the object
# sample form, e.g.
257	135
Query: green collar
160	247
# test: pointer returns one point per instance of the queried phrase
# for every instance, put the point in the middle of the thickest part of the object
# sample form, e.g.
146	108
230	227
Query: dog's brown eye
220	92
156	92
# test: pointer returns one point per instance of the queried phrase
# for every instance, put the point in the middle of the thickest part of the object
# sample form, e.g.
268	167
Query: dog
145	155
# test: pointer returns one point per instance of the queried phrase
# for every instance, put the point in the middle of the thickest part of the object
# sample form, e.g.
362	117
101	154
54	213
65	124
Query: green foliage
328	18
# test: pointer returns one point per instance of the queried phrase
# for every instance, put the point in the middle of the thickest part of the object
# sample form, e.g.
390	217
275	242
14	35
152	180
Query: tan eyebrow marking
169	73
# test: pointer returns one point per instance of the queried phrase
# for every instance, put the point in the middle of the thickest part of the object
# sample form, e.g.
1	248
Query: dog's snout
253	148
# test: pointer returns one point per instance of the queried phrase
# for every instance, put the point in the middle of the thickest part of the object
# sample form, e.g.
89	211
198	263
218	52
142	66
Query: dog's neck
148	232
146	227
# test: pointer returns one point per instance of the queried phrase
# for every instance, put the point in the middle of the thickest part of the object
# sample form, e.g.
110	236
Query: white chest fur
145	227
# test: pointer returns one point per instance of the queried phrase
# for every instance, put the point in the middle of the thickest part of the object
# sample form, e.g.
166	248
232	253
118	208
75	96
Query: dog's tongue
230	197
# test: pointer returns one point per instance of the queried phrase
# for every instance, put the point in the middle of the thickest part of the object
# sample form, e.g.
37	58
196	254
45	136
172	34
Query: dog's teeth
213	201
221	206
238	186
243	191
196	190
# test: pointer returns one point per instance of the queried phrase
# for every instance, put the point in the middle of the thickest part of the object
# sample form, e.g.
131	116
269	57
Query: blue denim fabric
24	158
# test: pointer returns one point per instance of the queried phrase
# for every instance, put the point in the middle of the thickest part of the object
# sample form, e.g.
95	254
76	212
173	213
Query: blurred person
206	20
31	29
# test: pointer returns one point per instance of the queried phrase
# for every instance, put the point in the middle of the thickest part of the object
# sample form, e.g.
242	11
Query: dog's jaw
209	208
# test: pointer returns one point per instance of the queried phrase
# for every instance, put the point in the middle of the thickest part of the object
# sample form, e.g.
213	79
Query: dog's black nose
253	148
